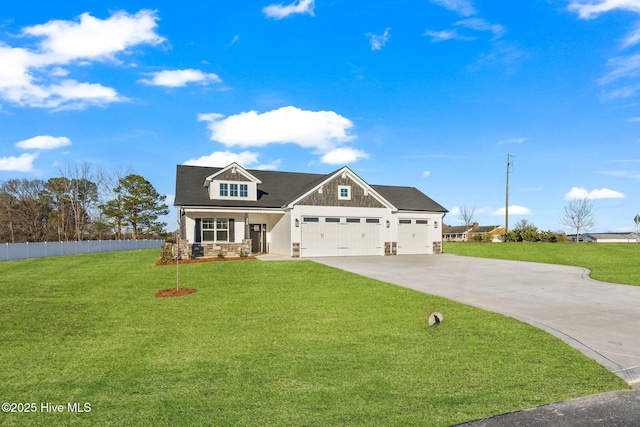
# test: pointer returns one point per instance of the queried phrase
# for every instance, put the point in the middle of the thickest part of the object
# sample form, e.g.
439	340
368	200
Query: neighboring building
462	233
232	210
607	238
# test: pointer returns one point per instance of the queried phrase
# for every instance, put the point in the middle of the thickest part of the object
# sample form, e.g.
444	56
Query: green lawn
263	344
616	263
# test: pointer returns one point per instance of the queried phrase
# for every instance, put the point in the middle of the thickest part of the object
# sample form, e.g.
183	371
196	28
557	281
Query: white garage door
414	237
334	236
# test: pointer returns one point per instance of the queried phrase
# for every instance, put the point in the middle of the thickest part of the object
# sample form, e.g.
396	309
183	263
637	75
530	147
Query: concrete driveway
602	320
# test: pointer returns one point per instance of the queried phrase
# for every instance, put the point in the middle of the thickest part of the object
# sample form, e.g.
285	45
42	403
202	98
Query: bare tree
467	216
579	215
24	212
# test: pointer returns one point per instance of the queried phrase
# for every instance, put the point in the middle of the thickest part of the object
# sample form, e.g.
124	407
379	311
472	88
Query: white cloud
224	158
513	210
454	211
31	77
279	11
426	173
43	142
343	155
479	24
320	130
440	36
462	7
591	9
622	66
93	38
622	174
23	163
179	78
377	42
603	193
631	39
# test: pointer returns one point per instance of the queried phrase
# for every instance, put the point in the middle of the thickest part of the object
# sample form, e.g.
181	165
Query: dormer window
232	189
233	182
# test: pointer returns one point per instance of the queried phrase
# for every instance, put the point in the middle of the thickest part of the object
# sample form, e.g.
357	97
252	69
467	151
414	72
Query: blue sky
427	93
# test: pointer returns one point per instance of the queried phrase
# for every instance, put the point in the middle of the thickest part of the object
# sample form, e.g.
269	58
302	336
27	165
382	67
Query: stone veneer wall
296	250
390	248
207	250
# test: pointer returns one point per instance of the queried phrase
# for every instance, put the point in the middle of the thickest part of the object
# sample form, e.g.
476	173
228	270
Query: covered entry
339	236
414	237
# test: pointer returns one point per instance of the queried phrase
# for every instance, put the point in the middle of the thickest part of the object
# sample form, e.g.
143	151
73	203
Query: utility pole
506	209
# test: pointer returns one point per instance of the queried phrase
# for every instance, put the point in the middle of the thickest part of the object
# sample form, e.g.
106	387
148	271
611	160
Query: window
332	220
215	229
233	190
422	221
353	220
208	229
344	192
244	190
224	190
405	221
373	221
310	219
222	230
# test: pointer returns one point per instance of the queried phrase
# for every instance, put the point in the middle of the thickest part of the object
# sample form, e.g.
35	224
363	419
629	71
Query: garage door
339	236
414	237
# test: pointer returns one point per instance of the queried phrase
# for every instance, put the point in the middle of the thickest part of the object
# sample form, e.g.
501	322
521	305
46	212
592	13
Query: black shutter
198	233
232	229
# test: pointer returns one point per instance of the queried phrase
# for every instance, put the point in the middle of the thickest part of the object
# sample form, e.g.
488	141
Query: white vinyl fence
15	251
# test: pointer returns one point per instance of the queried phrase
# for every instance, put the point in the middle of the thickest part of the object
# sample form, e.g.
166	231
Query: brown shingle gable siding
330	193
231	176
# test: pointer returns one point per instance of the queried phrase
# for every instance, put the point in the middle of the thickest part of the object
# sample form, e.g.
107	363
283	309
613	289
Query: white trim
189	209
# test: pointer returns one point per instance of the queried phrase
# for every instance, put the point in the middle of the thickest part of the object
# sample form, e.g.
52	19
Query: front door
256	235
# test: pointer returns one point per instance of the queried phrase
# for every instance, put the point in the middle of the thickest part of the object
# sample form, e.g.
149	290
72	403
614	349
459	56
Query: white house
234	210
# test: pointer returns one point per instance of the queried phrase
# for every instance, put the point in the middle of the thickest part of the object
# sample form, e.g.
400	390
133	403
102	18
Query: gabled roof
236	168
485	229
278	189
456	229
344	171
408	198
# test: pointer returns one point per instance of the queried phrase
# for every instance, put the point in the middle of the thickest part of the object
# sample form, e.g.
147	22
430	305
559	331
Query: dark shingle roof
280	188
408	198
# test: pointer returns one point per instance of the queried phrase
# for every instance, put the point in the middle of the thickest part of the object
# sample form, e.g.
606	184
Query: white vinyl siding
280	235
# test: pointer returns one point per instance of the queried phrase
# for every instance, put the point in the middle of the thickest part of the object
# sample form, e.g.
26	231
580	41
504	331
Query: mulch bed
167	293
199	260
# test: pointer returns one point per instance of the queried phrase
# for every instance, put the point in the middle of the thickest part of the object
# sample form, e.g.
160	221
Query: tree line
80	204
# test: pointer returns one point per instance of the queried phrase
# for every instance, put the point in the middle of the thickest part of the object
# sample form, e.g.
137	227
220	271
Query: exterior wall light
297	222
388	224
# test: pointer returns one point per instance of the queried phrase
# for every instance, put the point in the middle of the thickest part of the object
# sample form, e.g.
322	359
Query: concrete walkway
602	320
